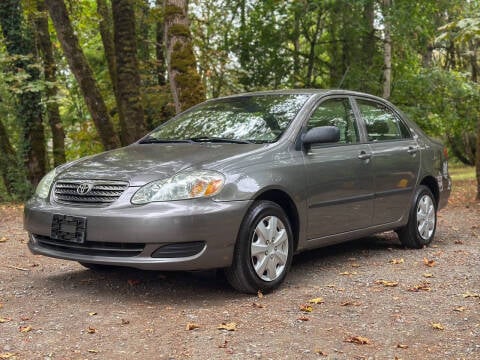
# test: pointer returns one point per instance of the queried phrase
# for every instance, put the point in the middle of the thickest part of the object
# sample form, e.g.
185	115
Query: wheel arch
431	183
285	201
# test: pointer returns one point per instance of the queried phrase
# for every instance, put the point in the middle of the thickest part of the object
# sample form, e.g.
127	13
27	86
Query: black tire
97	267
242	274
409	235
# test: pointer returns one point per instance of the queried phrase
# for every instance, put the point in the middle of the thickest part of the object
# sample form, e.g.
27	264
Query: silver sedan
243	183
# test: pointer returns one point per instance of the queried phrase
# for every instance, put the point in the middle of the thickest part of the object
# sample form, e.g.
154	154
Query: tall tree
49	68
10	169
387	50
186	85
82	72
128	78
19	44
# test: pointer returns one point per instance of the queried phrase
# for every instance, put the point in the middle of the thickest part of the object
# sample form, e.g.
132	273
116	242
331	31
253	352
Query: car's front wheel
264	249
422	220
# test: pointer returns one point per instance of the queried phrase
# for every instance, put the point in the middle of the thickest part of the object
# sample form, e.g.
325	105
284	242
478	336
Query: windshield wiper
162	141
219	140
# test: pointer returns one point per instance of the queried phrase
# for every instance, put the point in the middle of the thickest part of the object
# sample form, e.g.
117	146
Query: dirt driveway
375	300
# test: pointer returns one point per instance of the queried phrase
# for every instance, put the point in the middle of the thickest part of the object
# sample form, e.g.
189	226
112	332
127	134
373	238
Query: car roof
305	92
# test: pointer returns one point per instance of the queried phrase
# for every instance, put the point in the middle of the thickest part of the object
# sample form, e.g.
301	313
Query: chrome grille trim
102	193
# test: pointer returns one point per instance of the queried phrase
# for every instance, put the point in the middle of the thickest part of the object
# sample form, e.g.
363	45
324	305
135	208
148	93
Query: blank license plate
69	228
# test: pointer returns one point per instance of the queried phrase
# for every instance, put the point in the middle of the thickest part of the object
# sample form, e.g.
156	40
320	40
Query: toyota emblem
84	188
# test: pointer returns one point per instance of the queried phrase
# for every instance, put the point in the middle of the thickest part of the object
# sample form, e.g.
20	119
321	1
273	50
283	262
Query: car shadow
133	285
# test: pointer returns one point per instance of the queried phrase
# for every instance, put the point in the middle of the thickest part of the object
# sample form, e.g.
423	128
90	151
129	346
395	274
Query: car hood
142	163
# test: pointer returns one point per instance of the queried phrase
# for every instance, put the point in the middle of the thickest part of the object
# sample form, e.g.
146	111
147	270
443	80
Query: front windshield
249	118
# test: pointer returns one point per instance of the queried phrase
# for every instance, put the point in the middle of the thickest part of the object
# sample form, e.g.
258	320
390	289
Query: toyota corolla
242	183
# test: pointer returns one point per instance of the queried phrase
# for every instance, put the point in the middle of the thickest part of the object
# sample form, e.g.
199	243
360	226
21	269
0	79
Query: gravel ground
375	300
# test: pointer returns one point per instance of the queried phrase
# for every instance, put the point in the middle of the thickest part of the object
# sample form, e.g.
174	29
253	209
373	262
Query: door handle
412	150
364	155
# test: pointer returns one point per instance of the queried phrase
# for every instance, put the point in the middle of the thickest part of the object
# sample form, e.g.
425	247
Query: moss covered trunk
46	51
83	73
19	44
186	85
128	76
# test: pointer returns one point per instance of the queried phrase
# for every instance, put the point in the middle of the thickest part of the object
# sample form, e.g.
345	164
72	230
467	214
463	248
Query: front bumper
115	230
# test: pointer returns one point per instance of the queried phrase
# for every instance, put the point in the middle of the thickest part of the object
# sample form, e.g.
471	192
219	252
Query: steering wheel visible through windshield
243	119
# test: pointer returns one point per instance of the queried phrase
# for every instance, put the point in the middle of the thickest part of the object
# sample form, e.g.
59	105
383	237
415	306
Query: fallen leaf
397	261
91	330
318	300
4	320
360	340
402	346
133	282
125	322
387	283
3	239
224	345
306	308
93	313
320	352
459	309
7	355
257	305
469	294
438	326
24	318
351	303
429	263
428	275
231	326
303	318
420	287
260	294
25	329
355	265
191	326
458	242
92	351
348	273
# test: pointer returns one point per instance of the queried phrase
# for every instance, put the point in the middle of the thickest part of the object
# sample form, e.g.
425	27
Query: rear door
339	177
395	160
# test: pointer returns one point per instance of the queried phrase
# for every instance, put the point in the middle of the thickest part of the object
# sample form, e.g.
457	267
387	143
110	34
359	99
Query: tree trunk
128	77
160	47
83	73
18	42
477	159
11	170
368	45
50	68
311	55
387	46
185	82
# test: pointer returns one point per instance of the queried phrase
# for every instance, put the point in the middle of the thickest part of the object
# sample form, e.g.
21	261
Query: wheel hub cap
269	248
425	217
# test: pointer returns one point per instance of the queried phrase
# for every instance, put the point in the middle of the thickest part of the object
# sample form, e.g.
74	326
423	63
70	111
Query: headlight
185	185
43	187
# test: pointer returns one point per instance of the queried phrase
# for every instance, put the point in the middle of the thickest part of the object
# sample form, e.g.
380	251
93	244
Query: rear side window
336	112
381	122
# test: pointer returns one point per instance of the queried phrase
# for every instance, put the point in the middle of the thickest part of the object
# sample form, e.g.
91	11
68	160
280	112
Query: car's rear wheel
264	249
422	221
97	267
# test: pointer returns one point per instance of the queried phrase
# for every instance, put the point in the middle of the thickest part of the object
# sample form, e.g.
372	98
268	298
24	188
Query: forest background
80	77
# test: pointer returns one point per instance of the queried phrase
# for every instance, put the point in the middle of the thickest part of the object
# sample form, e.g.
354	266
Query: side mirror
321	135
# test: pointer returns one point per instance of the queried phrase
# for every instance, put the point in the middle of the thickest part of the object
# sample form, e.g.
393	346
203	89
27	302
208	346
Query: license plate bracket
69	228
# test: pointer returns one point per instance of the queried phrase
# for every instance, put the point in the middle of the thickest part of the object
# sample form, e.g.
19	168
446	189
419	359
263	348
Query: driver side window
336	112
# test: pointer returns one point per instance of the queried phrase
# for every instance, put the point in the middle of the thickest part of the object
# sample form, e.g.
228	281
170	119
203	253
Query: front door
339	177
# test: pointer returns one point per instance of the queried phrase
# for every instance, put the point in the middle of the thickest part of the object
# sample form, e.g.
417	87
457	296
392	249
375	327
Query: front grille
99	192
91	247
